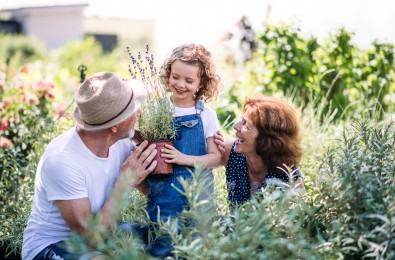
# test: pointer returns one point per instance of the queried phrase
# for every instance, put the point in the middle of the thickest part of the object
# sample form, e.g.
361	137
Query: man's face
126	128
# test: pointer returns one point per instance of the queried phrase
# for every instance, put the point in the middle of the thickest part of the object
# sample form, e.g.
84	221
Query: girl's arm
210	160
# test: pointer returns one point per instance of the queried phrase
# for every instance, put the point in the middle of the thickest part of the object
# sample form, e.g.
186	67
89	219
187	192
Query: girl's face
184	82
246	134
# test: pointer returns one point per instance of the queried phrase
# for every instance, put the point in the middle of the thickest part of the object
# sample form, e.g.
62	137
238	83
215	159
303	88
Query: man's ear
114	129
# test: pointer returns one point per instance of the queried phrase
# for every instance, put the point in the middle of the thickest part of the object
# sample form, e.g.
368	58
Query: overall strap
199	106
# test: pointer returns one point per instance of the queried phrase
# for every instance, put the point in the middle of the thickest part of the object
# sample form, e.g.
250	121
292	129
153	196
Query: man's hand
133	173
139	164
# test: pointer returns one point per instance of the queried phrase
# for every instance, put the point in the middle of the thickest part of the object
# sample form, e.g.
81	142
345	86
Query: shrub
346	212
17	50
332	71
26	121
356	186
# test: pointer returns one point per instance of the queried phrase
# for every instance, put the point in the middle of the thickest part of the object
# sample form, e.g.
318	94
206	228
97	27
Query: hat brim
139	96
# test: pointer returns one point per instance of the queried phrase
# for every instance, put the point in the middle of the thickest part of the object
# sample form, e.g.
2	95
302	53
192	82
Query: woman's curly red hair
278	141
196	55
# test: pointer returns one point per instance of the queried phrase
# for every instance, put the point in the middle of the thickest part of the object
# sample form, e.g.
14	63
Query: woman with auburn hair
267	146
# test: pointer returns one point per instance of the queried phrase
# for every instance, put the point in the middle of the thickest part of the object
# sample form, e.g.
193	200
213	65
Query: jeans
164	197
59	250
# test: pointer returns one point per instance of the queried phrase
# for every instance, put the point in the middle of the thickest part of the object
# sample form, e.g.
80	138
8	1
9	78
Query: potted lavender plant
155	123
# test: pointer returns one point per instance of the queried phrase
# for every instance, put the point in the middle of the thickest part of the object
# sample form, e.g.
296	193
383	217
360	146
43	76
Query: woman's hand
219	141
173	155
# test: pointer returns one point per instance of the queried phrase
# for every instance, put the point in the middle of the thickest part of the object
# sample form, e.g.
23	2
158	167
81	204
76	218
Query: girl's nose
180	83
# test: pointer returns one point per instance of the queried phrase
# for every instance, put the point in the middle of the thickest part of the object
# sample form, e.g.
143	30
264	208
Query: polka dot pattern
239	190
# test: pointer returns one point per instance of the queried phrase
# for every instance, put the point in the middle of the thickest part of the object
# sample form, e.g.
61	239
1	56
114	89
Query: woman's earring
114	129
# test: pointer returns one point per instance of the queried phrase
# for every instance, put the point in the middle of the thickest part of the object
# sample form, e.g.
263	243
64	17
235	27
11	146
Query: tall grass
346	212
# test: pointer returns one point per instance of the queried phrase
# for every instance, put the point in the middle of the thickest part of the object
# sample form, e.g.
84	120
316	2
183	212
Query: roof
9	5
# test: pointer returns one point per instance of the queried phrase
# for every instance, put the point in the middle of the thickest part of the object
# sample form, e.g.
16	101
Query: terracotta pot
162	168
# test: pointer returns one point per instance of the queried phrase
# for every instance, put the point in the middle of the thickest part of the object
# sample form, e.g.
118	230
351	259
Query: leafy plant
356	187
27	117
332	71
348	209
156	119
17	50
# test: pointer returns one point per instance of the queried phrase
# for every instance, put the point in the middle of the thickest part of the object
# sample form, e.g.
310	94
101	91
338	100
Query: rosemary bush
357	187
347	211
156	119
268	227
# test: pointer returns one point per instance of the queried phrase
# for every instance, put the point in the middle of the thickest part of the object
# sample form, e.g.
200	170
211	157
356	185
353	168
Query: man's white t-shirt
68	170
208	116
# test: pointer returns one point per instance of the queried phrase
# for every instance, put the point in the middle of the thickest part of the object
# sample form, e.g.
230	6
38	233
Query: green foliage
156	120
356	188
332	71
288	61
264	228
26	115
88	52
20	49
346	212
348	209
227	107
114	242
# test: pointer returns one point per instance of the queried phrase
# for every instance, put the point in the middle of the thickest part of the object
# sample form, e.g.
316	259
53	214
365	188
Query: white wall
53	25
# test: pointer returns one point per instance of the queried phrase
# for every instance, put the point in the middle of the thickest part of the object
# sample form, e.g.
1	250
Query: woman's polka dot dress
239	190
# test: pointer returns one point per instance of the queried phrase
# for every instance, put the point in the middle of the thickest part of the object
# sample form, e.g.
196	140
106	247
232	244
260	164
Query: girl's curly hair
196	55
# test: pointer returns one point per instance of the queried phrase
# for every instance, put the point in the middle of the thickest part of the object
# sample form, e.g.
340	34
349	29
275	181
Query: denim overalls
189	140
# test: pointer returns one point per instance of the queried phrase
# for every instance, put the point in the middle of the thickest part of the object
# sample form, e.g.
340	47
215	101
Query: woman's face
246	134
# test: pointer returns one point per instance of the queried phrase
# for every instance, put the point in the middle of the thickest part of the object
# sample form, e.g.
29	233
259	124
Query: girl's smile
184	82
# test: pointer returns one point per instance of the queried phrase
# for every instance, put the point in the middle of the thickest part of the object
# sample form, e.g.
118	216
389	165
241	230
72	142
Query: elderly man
85	171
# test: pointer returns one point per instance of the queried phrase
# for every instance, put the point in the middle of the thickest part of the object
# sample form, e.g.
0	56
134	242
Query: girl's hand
173	155
219	141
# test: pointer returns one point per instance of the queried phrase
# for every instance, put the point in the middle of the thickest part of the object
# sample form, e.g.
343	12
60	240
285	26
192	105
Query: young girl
189	73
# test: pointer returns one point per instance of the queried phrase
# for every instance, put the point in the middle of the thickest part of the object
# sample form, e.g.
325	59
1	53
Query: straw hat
104	100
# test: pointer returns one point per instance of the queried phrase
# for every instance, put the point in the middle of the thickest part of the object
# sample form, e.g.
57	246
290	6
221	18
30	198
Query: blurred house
54	25
113	31
56	22
166	24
